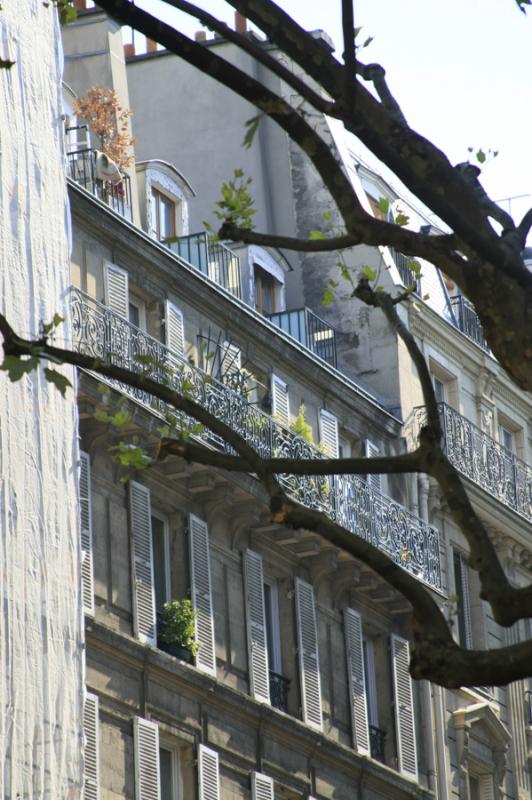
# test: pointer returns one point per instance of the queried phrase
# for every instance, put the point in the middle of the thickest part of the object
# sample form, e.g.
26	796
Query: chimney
129	50
151	45
200	36
241	23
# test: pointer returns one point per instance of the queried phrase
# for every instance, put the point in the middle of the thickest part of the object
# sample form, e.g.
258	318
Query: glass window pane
167	776
159	562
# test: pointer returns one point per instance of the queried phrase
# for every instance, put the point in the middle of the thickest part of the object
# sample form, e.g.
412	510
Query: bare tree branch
349	54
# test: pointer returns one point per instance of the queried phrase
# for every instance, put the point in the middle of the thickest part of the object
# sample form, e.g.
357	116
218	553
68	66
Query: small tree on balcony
108	121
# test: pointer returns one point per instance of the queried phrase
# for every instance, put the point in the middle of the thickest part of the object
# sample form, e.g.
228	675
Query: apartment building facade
300	688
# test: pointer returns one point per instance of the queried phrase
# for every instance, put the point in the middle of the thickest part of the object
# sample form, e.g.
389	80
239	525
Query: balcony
349	500
376	743
81	168
279	686
466	320
408	277
310	330
484	461
214	259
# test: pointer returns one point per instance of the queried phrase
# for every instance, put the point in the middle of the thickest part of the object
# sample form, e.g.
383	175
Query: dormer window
163	215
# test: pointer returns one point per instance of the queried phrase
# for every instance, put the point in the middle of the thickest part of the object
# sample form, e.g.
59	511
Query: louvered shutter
466	602
329	434
261	787
200	574
256	626
208	774
174	328
404	708
280	402
147	779
91	756
309	664
485	783
356	680
116	289
231	361
142	568
371	451
85	513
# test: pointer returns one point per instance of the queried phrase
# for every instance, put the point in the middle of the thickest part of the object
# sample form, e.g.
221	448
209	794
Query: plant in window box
177	628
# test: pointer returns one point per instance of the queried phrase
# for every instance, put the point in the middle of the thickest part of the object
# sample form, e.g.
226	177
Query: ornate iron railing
467	321
212	258
376	743
408	276
279	686
81	164
483	460
347	499
309	329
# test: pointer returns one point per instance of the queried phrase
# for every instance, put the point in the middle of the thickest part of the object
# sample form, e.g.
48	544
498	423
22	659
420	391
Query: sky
460	69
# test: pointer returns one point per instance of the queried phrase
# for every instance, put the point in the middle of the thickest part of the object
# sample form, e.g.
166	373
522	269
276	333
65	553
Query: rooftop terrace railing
310	330
81	168
349	500
212	258
483	460
467	321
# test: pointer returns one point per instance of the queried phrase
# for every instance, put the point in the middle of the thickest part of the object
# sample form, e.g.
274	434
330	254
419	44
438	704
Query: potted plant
177	629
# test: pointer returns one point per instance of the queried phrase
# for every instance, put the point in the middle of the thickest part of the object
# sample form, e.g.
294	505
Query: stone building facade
300	687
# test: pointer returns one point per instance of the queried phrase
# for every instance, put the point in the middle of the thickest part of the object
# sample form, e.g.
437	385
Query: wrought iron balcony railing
376	743
212	258
408	276
349	500
310	330
81	165
279	686
483	460
466	320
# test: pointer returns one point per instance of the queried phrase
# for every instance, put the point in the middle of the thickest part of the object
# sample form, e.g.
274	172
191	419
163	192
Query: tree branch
349	55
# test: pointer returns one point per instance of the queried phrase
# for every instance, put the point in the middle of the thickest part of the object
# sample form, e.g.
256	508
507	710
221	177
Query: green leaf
326	216
101	416
369	273
103	389
318	235
252	127
383	205
481	156
17	366
402	219
60	381
327	297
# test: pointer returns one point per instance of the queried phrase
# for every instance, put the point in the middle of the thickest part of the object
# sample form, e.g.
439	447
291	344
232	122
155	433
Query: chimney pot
241	23
151	45
80	5
129	50
200	36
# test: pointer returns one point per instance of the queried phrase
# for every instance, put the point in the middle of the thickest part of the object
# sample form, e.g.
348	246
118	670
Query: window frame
158	198
155	514
271	600
177	782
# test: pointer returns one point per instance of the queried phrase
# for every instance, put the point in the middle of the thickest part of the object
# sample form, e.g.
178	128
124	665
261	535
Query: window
161	562
439	390
371	686
506	438
163	215
463	602
266	291
137	312
168	771
271	615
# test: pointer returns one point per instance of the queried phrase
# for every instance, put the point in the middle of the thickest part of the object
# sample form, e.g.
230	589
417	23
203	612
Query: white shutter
404	708
356	680
208	774
259	677
329	434
372	450
200	574
116	289
261	787
309	664
466	602
174	329
280	402
147	779
91	756
485	783
142	567
85	513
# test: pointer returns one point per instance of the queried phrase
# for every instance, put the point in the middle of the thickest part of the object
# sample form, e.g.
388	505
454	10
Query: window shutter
91	770
309	664
147	779
208	774
329	433
261	787
116	289
174	329
200	574
87	574
231	362
466	602
404	708
374	480
356	680
142	568
259	677
280	402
